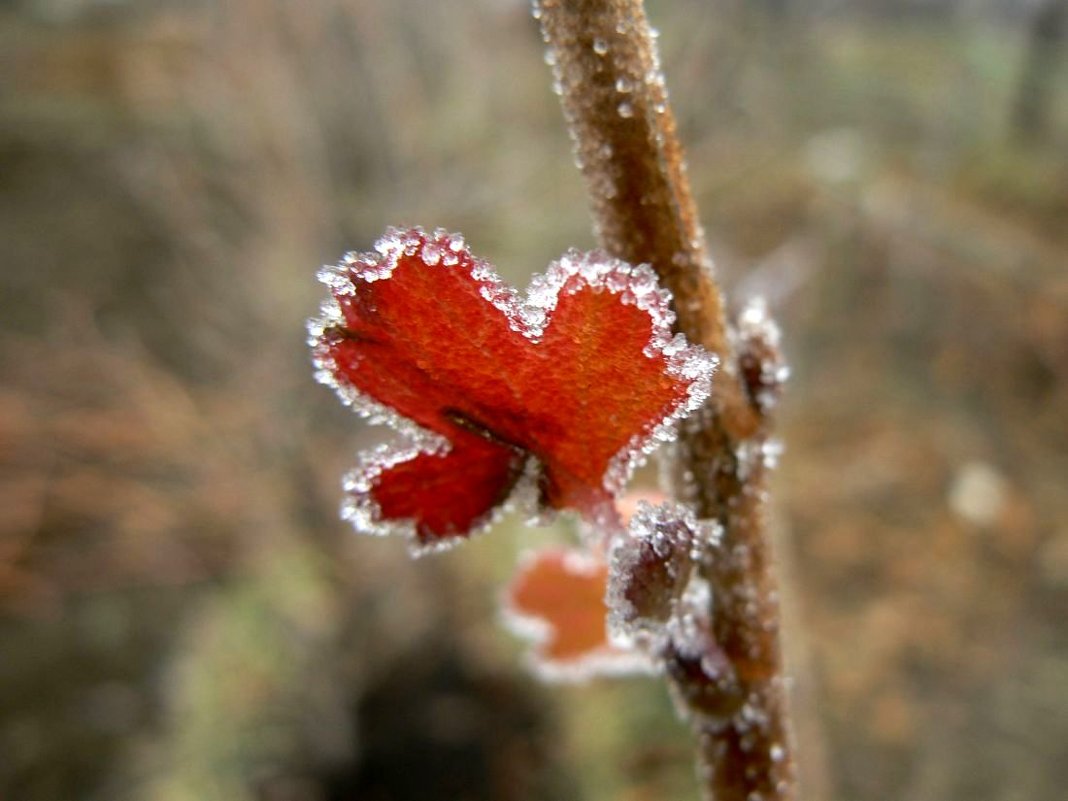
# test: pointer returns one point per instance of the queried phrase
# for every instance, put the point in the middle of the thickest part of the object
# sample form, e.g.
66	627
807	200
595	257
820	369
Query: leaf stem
614	98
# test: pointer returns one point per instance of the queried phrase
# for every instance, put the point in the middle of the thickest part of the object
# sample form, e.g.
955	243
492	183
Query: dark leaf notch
553	396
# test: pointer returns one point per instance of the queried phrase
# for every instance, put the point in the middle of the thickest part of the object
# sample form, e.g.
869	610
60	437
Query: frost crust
654	592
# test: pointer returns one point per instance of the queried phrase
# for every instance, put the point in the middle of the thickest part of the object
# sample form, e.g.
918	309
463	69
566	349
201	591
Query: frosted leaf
363	513
582	451
556	601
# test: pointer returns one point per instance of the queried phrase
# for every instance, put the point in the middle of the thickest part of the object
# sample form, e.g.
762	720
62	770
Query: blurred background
182	616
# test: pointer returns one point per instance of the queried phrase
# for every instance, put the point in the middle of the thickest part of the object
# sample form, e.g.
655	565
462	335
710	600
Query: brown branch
614	99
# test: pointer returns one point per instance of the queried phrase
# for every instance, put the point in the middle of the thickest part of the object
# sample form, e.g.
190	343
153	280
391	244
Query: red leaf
569	386
557	598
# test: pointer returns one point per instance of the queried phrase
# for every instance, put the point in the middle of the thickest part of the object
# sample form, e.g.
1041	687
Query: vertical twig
614	99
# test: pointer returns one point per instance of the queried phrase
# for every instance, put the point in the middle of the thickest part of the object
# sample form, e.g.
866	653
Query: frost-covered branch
727	675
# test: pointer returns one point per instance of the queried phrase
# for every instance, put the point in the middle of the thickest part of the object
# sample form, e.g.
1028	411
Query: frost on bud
651	583
763	368
703	681
644	608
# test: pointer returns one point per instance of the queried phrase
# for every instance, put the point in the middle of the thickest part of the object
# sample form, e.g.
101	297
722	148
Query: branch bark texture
608	75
